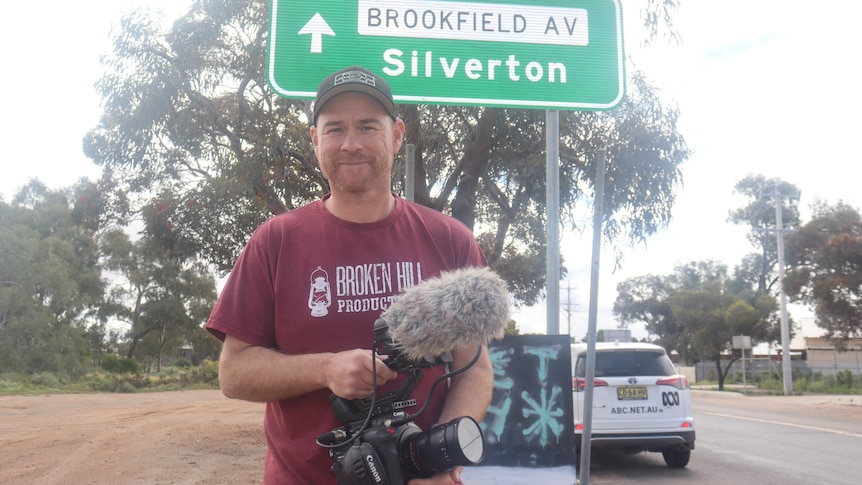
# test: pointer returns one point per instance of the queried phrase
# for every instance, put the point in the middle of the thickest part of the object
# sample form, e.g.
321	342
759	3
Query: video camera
379	444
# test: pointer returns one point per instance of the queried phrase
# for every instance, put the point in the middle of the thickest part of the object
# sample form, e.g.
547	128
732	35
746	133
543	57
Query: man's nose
351	141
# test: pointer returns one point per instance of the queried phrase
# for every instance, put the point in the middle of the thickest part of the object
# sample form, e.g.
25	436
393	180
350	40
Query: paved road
748	439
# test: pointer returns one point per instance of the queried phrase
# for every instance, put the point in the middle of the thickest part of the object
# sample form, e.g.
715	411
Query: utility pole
567	307
786	367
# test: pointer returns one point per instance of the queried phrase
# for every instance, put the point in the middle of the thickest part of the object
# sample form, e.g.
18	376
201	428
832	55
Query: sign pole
598	216
410	172
552	209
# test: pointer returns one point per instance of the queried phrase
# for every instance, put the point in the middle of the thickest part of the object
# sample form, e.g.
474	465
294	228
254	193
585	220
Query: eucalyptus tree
696	310
50	283
824	258
760	217
162	299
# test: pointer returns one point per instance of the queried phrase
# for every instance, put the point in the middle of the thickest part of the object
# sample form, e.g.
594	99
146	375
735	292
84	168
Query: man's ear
315	143
399	131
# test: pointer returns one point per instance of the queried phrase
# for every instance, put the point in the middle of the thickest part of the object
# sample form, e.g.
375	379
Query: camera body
374	458
379	444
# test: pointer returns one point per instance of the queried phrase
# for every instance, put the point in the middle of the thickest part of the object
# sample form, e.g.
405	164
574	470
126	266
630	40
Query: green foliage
182	362
53	305
162	296
45	379
761	268
645	299
120	365
118	382
50	283
512	328
205	374
824	258
121	378
843	382
694	311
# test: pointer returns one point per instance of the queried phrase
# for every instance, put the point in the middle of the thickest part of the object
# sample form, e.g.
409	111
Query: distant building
823	357
616	335
811	351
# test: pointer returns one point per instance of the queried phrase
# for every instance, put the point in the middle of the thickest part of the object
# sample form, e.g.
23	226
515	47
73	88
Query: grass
203	376
842	383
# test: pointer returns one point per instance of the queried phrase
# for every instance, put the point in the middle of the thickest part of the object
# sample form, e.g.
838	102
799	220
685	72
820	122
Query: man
296	315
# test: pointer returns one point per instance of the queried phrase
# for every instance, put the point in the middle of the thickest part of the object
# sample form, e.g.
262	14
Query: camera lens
443	447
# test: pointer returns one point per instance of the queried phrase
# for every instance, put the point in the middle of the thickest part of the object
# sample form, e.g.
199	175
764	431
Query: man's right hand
259	374
350	374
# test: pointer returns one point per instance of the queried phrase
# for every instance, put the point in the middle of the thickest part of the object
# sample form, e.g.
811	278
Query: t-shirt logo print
319	295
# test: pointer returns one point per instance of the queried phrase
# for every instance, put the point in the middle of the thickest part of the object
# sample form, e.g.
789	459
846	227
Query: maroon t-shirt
309	282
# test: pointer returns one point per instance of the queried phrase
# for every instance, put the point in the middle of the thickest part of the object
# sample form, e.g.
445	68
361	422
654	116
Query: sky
763	87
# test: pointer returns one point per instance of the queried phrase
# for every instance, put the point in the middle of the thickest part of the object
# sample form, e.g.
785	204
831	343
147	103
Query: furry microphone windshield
458	308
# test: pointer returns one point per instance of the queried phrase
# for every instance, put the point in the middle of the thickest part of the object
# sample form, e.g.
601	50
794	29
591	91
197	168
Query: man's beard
355	185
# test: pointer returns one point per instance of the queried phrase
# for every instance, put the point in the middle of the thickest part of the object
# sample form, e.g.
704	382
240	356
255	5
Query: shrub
120	365
208	371
126	388
45	379
182	362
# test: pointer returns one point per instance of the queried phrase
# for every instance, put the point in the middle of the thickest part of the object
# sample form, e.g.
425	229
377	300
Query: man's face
355	142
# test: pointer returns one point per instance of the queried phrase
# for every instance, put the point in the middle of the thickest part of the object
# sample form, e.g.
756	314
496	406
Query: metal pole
786	368
409	172
590	374
552	202
857	359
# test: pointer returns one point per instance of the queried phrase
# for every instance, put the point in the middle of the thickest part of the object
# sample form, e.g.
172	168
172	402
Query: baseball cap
357	79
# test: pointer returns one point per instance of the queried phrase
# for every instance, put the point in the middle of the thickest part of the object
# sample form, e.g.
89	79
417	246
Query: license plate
631	393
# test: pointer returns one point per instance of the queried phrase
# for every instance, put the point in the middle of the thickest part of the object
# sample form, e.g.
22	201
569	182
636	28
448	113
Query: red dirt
186	437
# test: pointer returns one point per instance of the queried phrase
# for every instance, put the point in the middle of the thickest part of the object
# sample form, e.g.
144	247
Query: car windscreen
624	363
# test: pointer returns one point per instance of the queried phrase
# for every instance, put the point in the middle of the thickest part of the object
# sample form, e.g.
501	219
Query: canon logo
374	472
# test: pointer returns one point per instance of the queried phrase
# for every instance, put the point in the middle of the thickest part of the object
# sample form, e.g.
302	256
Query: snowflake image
547	416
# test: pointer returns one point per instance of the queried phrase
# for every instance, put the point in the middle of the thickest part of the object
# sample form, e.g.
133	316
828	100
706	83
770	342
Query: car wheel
676	458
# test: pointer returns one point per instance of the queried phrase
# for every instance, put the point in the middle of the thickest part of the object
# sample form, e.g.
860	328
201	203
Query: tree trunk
476	157
133	345
161	349
413	136
722	373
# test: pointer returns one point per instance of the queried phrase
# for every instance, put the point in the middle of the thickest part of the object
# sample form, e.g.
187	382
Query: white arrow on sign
317	27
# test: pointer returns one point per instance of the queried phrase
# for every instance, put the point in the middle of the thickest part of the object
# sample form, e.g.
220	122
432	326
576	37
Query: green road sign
548	54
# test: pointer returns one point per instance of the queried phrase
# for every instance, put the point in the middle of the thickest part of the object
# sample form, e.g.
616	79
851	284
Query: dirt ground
188	437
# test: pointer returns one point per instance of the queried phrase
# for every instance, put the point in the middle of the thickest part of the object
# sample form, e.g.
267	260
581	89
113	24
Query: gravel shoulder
186	437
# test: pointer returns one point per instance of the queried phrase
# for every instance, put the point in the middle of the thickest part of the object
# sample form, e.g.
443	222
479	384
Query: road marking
785	423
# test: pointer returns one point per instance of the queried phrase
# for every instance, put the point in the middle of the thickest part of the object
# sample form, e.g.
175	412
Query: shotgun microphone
459	308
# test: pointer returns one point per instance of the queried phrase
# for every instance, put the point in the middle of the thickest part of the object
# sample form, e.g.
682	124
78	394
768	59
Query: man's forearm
470	392
259	374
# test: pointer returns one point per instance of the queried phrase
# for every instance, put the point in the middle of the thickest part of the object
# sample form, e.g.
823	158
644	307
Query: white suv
640	402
